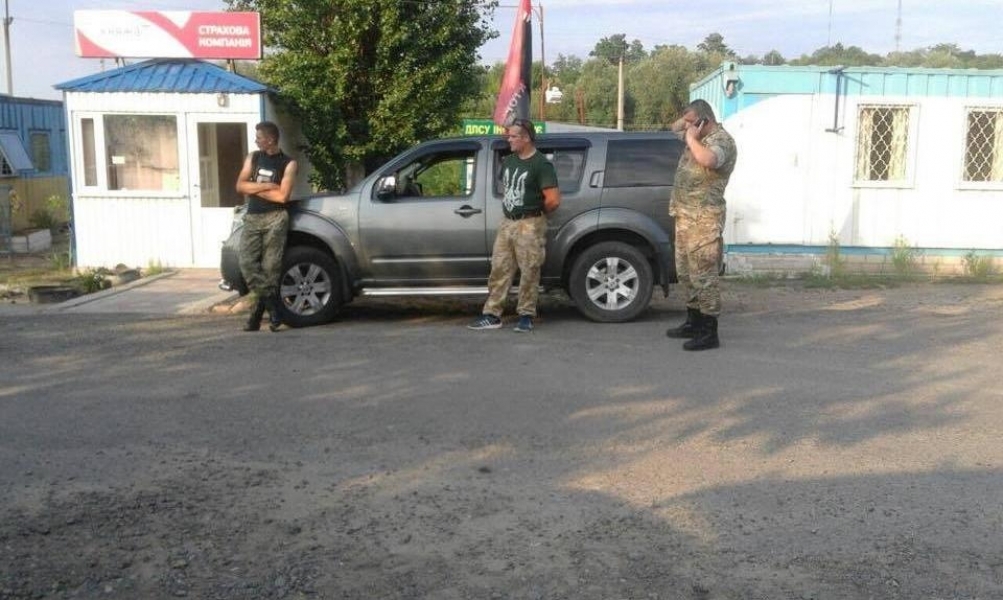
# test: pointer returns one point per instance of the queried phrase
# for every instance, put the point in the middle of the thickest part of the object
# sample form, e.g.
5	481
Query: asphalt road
839	445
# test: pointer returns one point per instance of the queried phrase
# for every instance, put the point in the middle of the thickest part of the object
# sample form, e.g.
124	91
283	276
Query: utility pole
619	97
7	20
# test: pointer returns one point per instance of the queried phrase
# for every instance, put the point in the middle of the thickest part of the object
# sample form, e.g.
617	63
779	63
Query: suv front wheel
309	290
611	282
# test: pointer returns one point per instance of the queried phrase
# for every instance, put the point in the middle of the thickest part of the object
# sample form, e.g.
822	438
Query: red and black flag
513	98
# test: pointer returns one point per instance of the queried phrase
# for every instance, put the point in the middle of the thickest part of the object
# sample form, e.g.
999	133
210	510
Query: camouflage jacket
698	187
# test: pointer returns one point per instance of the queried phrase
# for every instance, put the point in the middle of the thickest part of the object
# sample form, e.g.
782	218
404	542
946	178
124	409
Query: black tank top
266	168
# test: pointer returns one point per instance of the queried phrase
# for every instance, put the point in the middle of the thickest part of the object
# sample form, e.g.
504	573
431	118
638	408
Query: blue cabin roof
183	76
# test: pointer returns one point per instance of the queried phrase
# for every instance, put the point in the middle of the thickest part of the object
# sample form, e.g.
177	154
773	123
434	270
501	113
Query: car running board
431	291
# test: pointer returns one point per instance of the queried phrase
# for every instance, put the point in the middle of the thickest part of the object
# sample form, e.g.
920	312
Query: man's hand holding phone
694	129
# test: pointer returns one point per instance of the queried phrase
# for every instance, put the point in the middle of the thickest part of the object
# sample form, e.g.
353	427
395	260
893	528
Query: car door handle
467	211
596	180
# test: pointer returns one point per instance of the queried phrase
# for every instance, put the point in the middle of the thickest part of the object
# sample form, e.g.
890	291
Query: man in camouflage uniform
267	179
699	209
531	192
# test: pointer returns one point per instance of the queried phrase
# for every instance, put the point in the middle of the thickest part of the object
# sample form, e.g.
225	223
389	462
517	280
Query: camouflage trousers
261	246
520	246
699	247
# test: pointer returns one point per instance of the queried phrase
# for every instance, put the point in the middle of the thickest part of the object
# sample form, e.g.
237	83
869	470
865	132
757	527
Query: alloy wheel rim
612	283
306	289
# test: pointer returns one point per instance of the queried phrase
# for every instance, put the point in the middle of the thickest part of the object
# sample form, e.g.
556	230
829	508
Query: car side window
446	174
641	163
569	164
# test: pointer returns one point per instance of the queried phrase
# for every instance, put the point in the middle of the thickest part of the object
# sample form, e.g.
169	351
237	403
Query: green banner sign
488	127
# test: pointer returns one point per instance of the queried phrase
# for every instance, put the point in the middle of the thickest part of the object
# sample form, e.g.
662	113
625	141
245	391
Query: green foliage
154	268
367	78
59	261
41	218
847	281
905	257
58	207
566	69
773	58
91	281
714	44
979	267
658	82
54	213
611	48
833	257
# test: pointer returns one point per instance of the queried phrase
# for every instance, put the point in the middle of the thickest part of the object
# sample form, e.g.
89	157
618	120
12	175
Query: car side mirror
386	187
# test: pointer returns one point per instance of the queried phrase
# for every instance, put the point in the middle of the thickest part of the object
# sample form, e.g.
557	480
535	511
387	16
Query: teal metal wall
755	83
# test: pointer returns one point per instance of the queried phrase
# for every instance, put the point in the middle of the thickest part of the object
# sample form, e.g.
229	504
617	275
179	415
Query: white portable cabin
155	150
864	156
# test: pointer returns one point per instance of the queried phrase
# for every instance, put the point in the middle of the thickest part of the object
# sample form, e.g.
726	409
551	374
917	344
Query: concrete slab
181	292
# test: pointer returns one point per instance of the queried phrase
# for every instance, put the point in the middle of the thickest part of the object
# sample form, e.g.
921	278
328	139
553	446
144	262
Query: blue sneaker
486	322
525	324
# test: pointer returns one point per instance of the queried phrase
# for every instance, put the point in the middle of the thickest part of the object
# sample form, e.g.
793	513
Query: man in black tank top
267	180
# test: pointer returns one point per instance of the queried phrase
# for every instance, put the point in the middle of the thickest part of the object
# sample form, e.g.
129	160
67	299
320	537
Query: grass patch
978	267
852	281
155	268
761	280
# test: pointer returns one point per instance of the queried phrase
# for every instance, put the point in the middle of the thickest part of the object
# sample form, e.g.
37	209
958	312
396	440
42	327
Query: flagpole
543	68
527	8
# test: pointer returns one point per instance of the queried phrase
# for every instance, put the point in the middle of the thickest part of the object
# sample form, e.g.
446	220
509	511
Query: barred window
883	143
41	154
984	145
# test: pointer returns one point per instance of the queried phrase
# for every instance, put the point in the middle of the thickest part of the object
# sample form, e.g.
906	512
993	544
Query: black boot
706	338
274	320
687	329
254	319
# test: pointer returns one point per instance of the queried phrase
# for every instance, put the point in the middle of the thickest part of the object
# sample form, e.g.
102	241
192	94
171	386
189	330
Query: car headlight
238	217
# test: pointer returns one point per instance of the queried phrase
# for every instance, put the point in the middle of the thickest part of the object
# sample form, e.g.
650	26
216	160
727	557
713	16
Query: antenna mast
898	29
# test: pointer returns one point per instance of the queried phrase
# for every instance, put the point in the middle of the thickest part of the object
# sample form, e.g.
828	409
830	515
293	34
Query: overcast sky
42	30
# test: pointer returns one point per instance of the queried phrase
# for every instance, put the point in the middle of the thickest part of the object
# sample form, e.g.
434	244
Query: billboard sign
167	34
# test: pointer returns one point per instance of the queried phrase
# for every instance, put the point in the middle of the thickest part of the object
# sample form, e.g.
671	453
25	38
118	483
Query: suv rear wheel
309	290
611	282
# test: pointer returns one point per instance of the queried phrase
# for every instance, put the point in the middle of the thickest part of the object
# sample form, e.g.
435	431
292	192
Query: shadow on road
846	449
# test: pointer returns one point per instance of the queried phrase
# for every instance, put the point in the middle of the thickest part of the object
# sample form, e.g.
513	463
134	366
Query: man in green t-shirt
531	192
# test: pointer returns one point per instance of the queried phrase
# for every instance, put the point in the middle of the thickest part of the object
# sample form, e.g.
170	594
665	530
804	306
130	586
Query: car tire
611	282
309	287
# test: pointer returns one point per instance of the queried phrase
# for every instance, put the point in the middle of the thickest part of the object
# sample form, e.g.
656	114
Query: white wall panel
134	231
794	180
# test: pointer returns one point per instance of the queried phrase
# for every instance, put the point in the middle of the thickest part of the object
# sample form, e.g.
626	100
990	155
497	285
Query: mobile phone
700	123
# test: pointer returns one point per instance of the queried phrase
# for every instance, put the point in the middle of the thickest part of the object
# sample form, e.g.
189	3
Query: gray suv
424	224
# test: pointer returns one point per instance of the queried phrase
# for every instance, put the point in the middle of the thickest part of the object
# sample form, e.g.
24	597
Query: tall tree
660	86
567	69
773	58
714	44
613	47
366	78
837	54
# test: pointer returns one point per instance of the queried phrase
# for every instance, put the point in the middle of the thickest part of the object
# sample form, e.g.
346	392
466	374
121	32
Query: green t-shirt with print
523	182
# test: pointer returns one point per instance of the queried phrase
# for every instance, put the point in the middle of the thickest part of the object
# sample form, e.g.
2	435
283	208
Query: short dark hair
702	109
527	126
268	128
